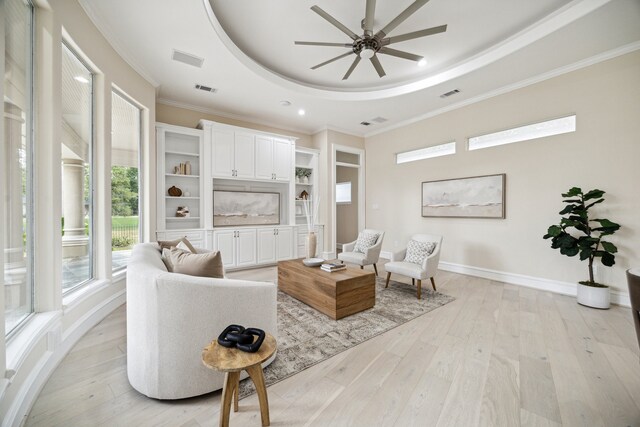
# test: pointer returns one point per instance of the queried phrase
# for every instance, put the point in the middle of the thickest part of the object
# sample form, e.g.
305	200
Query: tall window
77	173
125	179
16	266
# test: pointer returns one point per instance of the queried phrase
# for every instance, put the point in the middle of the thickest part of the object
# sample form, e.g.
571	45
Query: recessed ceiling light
422	62
301	112
82	79
285	103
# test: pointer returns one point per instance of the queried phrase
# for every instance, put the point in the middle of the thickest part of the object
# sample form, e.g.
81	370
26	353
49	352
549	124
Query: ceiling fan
369	45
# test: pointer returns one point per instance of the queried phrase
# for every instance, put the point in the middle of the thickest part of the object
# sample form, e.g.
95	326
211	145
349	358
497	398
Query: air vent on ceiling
187	58
365	123
379	119
205	88
448	94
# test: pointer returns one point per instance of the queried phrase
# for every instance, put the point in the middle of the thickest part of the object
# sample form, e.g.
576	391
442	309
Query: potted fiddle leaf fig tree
578	234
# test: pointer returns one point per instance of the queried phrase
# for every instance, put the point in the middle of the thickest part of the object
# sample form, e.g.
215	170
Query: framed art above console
239	208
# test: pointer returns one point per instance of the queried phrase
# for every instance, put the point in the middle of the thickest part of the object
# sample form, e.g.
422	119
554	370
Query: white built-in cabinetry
176	146
231	158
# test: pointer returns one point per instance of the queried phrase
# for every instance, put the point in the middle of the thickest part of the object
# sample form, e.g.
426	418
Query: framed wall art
237	208
472	197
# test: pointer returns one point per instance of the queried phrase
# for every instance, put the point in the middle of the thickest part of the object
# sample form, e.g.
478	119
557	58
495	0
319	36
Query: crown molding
206	110
113	40
596	59
339	130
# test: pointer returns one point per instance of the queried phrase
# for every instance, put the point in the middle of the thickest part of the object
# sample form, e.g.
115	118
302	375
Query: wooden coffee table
338	294
232	361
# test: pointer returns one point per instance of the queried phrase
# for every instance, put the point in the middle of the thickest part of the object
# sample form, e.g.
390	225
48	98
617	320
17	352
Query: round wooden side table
232	361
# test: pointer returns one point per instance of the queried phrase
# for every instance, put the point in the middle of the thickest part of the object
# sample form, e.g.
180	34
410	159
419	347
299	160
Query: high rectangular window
524	133
16	154
77	171
426	153
125	179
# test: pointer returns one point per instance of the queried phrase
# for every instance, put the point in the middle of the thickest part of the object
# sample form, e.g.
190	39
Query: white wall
35	351
603	153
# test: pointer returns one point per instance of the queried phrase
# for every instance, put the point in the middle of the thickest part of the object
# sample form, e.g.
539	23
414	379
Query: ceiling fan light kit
369	45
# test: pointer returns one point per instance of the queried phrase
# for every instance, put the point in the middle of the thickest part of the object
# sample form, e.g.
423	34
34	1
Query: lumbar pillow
204	265
365	241
418	251
174	243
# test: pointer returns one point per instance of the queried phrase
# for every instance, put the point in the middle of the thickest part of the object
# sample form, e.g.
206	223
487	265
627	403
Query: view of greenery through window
124	207
125	149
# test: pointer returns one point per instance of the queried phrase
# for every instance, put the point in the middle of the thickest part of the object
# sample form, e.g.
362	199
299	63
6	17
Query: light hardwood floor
499	355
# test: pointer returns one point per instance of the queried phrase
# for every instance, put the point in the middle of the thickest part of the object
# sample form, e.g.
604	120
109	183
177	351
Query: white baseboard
555	286
58	347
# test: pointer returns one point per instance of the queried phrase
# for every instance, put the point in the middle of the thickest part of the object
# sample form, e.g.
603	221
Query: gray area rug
306	336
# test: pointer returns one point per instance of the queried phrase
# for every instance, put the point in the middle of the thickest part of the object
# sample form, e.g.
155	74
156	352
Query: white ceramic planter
594	297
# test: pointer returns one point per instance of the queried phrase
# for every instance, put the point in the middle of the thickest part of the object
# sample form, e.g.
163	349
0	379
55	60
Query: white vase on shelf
305	180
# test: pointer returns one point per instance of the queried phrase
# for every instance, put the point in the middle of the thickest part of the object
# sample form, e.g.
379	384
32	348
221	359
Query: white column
74	241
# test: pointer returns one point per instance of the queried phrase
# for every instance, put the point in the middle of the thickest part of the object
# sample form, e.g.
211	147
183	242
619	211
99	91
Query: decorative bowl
312	262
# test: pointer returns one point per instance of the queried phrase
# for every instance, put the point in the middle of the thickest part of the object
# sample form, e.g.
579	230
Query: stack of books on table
331	267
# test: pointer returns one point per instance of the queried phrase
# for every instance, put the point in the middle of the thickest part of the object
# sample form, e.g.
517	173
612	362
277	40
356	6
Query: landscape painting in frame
474	197
235	208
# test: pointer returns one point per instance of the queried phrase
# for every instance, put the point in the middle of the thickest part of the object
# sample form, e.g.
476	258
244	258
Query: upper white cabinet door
244	155
264	157
282	159
246	248
266	245
284	243
222	153
224	242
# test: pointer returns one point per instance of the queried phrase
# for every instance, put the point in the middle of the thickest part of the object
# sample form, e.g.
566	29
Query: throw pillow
365	241
174	243
418	251
166	258
204	265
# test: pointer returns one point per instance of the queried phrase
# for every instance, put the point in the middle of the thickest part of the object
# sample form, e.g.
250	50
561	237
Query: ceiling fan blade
368	17
400	54
415	35
333	21
332	59
353	67
378	66
413	7
323	44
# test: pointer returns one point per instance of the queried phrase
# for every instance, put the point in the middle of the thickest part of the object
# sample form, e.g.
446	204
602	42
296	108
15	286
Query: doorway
347	194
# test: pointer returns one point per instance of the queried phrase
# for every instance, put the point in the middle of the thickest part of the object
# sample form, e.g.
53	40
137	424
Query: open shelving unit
177	145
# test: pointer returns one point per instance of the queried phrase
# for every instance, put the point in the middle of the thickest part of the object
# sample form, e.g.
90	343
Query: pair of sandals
242	339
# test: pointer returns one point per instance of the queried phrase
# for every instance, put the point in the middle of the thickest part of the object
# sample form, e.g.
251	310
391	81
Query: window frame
67	43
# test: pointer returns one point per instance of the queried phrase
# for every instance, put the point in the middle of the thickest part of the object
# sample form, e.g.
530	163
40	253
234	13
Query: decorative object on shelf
241	338
311	212
187	168
183	212
299	174
304	195
174	191
176	170
298	210
186	193
585	239
234	208
313	262
472	197
306	175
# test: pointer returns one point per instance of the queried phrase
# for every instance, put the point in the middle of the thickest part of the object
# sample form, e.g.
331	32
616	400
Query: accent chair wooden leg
362	267
375	268
235	394
388	277
230	381
433	283
413	282
255	372
419	289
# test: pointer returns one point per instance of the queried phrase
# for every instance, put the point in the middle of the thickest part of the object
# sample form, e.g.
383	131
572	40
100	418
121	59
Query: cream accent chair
428	269
370	256
171	317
